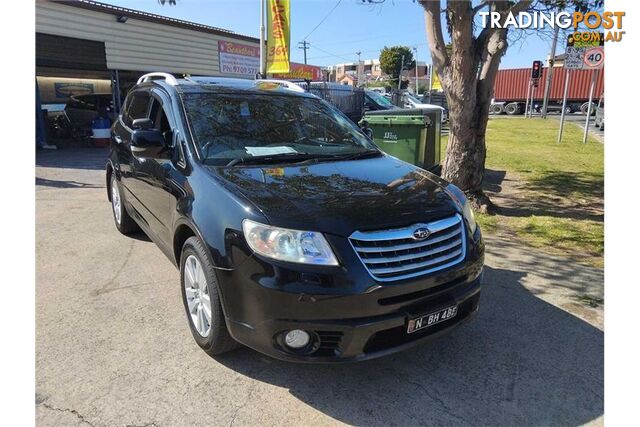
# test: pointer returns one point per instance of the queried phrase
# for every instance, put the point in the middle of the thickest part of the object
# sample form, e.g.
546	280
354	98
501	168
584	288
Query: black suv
294	234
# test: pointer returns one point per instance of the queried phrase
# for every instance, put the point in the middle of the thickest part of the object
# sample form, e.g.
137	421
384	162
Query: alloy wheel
116	201
197	295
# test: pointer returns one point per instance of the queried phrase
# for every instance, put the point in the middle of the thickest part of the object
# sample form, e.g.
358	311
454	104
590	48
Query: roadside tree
467	68
394	59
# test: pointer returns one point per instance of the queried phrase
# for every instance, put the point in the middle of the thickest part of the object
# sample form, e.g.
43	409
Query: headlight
461	200
305	247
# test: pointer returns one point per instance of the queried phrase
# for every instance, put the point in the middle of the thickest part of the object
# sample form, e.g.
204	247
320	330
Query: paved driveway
113	346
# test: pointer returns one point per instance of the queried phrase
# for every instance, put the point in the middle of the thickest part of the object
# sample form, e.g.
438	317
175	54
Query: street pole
415	49
547	85
400	75
430	80
262	38
358	68
532	97
526	102
564	104
586	125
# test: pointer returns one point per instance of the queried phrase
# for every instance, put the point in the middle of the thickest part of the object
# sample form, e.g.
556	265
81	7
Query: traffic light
536	69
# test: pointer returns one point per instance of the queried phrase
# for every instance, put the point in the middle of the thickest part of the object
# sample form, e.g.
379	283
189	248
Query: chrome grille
396	254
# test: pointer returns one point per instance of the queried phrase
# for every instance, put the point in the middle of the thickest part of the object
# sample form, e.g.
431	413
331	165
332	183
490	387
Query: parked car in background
80	111
380	89
374	101
599	120
293	233
411	101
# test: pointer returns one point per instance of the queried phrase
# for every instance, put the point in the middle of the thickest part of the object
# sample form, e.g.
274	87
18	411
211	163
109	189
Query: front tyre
201	299
124	223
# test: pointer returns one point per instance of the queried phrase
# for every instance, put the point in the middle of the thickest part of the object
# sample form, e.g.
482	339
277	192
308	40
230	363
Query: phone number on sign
239	69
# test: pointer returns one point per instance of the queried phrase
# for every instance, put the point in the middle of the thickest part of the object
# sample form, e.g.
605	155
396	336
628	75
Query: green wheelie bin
412	135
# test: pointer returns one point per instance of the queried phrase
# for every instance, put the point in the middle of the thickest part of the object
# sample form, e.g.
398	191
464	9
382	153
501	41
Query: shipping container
510	92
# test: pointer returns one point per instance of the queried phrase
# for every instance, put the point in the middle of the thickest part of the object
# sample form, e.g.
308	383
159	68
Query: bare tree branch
520	6
480	6
435	37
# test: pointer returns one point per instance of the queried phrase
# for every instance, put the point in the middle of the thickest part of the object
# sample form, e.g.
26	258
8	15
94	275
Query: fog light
296	338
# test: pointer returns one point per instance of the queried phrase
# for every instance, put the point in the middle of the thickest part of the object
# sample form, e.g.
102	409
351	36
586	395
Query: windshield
380	99
413	99
229	127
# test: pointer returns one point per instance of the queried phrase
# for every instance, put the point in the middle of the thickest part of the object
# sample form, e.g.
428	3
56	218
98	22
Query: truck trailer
510	92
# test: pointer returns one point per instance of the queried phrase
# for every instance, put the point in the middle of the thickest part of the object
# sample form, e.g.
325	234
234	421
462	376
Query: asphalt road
113	346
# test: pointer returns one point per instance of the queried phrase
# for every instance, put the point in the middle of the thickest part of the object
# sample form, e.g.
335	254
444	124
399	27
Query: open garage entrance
90	54
74	86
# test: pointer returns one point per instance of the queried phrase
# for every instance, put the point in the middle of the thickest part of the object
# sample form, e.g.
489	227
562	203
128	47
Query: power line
333	54
339	55
351	41
323	19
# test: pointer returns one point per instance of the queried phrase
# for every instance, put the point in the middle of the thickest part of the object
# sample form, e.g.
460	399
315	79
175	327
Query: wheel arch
110	169
185	229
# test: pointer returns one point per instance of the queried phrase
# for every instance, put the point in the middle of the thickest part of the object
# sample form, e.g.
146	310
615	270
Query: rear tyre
201	299
124	223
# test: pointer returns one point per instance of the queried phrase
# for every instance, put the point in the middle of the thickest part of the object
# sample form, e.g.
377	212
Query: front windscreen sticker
244	109
268	151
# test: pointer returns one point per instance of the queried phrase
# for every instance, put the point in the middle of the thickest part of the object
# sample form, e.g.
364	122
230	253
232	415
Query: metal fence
346	98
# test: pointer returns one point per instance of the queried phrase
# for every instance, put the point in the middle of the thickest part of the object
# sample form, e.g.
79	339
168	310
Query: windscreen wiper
359	155
271	158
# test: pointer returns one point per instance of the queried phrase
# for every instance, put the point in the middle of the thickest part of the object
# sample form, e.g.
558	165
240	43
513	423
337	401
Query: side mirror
148	143
142	124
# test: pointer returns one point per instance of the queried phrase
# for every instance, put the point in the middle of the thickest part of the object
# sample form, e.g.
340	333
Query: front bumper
350	316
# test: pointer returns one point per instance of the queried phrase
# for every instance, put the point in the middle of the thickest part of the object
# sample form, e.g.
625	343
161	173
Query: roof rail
284	83
166	76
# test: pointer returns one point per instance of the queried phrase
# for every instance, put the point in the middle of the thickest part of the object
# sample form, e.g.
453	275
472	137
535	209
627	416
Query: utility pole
304	45
547	84
430	80
262	39
400	74
358	68
415	59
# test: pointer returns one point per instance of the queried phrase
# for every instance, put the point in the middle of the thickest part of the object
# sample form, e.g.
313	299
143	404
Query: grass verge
549	194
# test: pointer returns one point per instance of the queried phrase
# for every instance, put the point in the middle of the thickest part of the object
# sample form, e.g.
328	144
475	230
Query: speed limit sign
594	57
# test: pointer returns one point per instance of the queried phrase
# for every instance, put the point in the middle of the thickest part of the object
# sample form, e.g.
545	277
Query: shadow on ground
64	184
521	362
553	193
89	158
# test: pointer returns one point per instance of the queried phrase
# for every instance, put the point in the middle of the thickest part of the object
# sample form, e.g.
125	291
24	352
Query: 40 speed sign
594	57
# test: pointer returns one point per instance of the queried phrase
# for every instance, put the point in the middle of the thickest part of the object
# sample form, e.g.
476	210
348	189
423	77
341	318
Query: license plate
431	319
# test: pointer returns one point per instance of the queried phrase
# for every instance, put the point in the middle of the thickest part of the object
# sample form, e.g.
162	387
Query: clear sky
351	27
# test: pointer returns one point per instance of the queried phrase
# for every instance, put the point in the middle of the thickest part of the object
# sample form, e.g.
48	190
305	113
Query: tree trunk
468	75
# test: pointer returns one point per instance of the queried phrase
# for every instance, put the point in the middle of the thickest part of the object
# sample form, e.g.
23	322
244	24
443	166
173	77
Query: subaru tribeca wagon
294	234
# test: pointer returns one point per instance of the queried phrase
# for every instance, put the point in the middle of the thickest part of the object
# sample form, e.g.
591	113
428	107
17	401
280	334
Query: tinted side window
125	108
137	108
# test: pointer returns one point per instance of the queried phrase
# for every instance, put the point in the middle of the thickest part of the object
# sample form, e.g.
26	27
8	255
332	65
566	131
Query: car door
157	179
136	106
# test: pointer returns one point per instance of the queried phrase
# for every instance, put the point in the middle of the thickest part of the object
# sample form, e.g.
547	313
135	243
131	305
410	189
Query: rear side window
137	108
